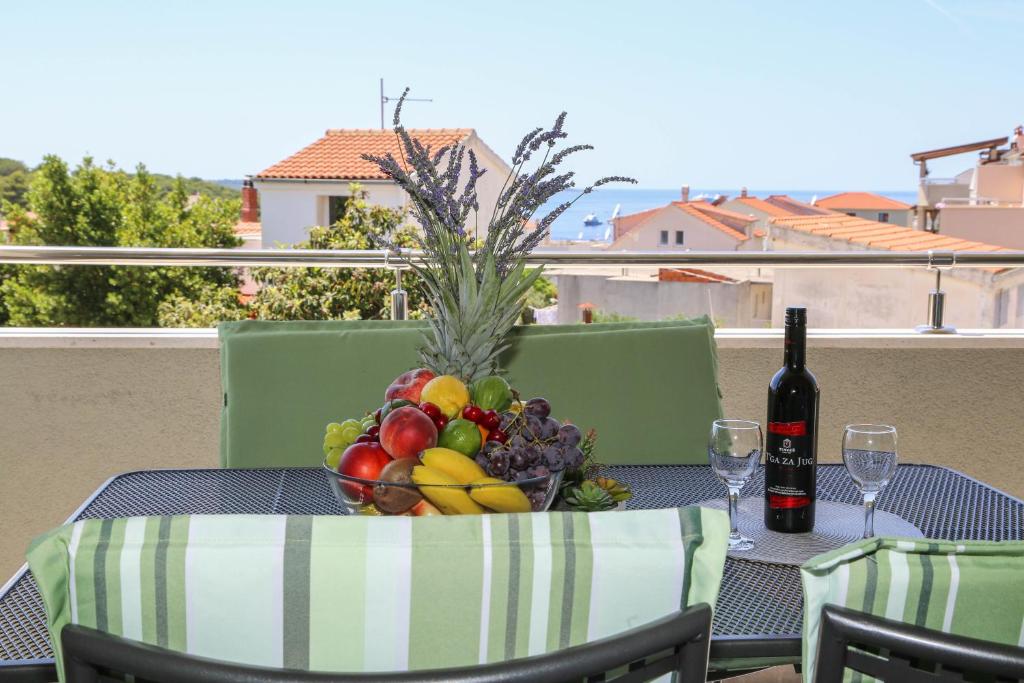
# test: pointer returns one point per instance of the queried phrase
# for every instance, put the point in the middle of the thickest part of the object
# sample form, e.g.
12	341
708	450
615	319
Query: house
870	206
887	297
311	187
249	229
683	226
772	206
985	203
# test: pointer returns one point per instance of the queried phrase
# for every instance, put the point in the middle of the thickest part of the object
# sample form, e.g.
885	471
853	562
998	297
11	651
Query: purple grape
533	429
482	460
491	446
574	458
533	453
537	407
569	435
498	464
539	471
517	441
520	476
518	460
506	421
549	429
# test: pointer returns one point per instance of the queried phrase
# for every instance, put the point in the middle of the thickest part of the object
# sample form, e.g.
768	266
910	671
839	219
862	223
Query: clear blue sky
789	95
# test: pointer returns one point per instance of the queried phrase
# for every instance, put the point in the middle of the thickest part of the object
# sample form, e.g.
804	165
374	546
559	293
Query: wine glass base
741	543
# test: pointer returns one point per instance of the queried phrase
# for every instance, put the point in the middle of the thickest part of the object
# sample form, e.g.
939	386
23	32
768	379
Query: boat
591	219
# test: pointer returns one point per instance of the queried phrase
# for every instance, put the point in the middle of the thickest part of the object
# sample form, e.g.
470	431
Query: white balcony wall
75	411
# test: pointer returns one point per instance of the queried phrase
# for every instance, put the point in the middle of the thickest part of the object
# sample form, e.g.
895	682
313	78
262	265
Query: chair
893	651
951	597
283	381
677	643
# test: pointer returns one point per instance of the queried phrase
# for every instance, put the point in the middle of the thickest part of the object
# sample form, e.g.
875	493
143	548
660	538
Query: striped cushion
377	593
971	588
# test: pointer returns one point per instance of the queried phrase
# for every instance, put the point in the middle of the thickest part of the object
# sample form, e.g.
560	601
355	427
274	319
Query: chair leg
76	671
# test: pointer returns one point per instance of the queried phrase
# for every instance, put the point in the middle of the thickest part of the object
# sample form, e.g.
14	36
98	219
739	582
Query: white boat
591	219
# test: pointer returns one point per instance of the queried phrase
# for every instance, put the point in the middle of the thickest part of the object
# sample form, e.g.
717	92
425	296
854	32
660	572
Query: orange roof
624	224
247	228
716	217
861	201
691	275
762	205
877	236
338	154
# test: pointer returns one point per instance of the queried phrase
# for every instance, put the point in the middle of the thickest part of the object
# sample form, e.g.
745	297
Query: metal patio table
758	615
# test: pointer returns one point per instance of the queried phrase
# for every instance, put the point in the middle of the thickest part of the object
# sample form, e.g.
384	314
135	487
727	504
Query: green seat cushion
648	389
377	594
969	588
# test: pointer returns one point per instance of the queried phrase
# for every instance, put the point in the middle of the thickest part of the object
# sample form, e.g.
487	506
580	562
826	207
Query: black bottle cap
796	315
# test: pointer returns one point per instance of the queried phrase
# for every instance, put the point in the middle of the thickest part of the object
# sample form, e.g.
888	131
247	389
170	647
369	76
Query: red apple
407	432
365	461
408	385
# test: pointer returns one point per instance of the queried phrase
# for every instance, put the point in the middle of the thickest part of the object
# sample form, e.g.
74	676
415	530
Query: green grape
327	449
336	440
333	457
333	427
350	429
368	422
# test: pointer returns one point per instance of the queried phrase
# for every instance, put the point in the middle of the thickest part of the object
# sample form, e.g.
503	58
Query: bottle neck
796	347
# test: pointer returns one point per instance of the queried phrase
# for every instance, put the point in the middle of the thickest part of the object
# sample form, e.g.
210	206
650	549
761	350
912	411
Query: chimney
743	192
685	193
250	202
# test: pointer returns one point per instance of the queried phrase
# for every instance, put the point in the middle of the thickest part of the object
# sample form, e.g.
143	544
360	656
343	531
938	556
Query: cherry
365	438
441	421
490	420
432	411
376	416
497	435
374	431
473	413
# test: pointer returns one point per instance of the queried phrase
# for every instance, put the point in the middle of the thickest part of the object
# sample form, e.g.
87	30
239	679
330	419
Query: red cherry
490	420
497	435
376	416
373	431
441	421
473	413
365	438
432	411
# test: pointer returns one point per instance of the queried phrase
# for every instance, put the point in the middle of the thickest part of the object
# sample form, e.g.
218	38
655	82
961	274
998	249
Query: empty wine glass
869	452
734	450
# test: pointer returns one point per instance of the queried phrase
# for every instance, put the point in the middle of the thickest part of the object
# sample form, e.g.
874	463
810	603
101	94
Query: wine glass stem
869	514
734	501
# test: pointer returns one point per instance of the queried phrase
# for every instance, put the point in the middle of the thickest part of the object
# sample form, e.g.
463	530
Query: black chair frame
894	651
675	643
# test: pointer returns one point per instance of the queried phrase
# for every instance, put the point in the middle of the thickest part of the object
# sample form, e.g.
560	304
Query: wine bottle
791	444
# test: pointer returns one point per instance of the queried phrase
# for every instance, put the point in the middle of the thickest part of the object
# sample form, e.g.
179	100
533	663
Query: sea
603	203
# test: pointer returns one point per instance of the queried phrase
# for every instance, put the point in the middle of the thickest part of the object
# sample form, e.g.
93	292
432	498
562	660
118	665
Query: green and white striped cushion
378	593
971	588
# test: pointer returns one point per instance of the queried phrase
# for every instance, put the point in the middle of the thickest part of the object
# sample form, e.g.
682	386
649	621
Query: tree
14	177
104	206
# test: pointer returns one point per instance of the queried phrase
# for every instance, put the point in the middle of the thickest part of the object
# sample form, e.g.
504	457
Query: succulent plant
589	497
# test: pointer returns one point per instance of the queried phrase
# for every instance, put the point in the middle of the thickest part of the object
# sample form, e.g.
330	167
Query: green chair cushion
649	389
969	588
377	594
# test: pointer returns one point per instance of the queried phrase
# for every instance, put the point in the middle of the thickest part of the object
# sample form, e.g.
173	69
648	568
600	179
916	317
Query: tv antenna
384	99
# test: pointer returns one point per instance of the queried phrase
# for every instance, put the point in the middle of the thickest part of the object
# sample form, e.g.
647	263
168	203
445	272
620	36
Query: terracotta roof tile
716	217
878	236
338	154
762	205
247	228
692	275
861	201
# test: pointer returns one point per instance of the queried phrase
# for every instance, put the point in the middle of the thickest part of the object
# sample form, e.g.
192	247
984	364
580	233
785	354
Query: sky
783	95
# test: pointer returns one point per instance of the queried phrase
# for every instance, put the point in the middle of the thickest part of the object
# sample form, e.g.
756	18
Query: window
664	237
336	209
883	217
679	237
850	213
1002	308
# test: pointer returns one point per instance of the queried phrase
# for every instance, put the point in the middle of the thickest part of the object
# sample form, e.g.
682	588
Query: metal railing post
399	297
937	299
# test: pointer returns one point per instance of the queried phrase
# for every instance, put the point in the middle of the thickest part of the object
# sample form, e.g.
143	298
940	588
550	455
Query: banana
508	498
456	465
443	491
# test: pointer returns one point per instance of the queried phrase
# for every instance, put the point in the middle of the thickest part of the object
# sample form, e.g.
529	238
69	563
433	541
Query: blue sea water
602	203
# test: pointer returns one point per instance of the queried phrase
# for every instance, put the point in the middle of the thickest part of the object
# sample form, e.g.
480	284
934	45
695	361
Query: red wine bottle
791	444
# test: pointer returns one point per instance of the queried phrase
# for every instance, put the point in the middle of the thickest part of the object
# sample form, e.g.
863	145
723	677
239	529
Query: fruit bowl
361	496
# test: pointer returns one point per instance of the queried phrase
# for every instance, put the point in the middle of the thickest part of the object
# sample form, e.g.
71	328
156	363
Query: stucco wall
999	225
1001	182
72	417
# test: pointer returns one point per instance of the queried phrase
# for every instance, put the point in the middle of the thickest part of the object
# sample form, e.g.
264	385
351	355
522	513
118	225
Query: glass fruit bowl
361	496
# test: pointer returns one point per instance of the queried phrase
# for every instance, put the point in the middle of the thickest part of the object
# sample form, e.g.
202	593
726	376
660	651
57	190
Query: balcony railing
935	260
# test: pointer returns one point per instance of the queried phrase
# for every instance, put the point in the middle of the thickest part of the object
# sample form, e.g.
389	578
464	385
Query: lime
462	436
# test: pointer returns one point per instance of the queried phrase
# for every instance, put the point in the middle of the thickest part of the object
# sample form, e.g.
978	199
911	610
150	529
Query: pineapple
473	314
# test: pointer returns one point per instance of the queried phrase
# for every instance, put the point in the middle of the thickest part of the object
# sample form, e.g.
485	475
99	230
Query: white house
310	187
683	226
870	206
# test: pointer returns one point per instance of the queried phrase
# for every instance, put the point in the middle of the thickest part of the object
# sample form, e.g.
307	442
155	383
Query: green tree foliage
14	176
104	206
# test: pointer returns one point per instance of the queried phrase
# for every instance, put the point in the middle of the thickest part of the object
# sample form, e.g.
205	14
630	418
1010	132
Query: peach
408	385
406	432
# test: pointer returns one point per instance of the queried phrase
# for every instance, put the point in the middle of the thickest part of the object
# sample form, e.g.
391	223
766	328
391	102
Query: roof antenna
384	99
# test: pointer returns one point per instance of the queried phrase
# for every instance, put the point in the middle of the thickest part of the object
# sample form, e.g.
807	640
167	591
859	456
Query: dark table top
759	607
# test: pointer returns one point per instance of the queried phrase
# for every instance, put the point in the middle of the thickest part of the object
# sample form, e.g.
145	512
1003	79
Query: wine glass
734	450
869	452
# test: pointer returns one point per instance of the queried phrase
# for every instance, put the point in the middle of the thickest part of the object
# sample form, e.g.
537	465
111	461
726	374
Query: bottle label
789	474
